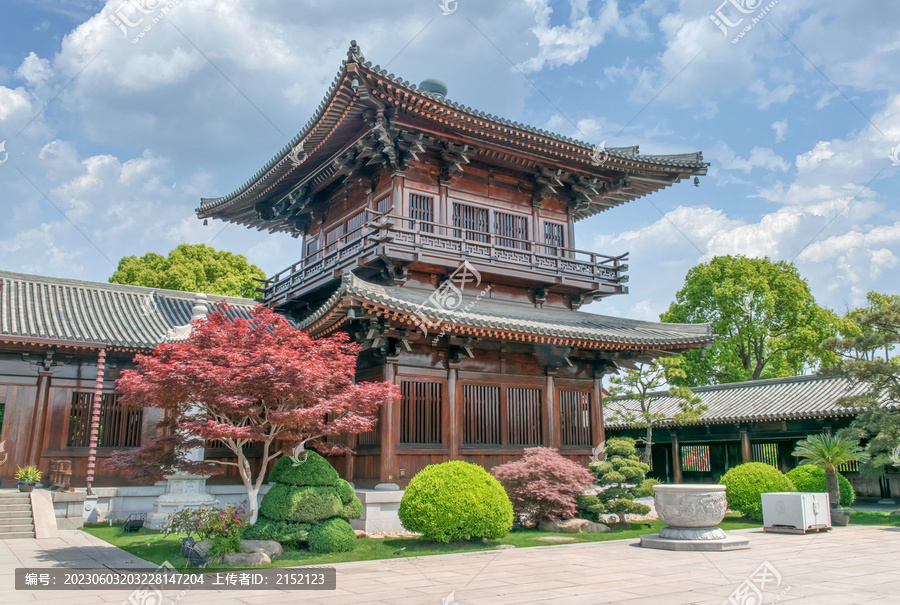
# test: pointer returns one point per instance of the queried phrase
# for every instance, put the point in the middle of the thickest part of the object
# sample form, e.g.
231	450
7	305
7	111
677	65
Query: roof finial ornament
354	55
199	309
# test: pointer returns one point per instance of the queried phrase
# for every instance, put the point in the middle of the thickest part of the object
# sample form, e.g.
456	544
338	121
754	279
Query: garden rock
268	547
571	526
246	559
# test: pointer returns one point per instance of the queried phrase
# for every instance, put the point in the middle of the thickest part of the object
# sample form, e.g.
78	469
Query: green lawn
153	546
872	518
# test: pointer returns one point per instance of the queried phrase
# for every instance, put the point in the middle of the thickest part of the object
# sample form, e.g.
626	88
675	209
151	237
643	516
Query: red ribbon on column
95	419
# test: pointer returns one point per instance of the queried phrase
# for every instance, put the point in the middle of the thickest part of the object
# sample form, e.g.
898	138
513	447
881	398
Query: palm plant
829	452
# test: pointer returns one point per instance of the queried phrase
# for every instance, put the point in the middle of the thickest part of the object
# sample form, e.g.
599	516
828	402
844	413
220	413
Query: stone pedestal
692	513
380	508
182	491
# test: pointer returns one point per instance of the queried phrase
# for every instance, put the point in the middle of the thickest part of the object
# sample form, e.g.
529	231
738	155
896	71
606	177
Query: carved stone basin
691	511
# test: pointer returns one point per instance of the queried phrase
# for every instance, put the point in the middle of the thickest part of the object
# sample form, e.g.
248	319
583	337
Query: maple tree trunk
249	485
252	495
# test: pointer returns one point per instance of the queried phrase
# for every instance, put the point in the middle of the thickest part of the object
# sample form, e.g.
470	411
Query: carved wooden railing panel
402	233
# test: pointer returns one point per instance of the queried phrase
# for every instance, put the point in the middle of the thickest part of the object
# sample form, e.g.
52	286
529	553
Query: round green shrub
345	492
745	482
811	478
300	504
456	500
314	471
287	534
353	509
333	535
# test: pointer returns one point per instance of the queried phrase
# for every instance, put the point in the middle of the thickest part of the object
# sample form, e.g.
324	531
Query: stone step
16	529
15	508
20	520
17	535
14	496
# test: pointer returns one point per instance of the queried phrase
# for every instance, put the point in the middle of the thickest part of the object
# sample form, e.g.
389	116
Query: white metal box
796	512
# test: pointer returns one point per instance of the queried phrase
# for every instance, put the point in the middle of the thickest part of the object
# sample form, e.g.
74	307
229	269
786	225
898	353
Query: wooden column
552	407
746	449
389	428
598	429
95	420
401	206
677	475
443	214
39	418
454	414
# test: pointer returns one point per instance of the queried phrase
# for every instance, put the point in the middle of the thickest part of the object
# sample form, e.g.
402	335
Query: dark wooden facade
442	240
52	334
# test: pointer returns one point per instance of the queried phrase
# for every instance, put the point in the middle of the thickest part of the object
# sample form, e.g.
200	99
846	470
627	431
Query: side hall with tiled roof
61	342
754	421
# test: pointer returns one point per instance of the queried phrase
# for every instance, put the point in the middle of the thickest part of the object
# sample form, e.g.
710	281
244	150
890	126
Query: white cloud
812	158
780	128
14	103
760	157
34	70
766	97
569	44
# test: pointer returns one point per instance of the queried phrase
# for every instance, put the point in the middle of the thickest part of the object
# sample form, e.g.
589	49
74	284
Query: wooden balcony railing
407	235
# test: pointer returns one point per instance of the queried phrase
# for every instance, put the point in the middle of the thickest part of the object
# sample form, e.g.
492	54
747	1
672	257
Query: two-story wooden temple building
442	239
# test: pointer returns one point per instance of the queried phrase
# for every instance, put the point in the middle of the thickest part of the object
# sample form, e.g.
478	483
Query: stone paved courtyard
851	565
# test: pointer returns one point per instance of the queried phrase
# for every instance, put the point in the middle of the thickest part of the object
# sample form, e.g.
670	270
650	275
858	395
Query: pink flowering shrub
543	484
209	522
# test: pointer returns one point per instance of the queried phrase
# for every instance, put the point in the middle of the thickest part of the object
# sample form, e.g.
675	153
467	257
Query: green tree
620	468
868	337
191	268
829	452
767	320
637	409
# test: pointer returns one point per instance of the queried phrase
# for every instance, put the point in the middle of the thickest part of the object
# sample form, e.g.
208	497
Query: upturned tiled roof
755	400
126	317
514	317
335	108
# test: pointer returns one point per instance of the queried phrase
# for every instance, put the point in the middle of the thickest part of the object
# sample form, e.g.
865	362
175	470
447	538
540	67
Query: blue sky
113	139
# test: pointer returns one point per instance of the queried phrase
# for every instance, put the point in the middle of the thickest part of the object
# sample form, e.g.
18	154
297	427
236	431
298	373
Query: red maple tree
241	382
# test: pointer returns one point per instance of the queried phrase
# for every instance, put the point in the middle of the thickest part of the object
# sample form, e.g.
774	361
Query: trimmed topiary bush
352	510
345	492
287	534
542	484
333	535
307	498
456	500
745	482
314	471
296	504
811	478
